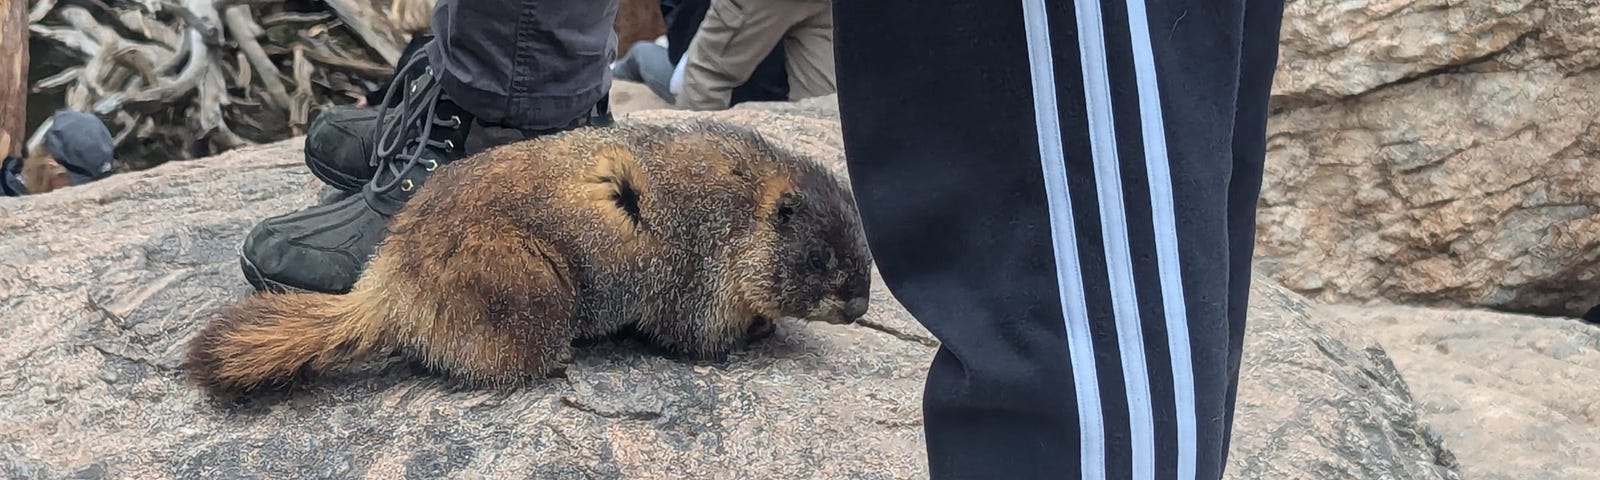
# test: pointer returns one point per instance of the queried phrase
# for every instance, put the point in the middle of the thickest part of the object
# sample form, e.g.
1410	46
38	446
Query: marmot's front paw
557	371
760	329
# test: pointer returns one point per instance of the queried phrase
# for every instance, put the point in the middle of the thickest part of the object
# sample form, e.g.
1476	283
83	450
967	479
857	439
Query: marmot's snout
856	296
855	309
843	308
838	311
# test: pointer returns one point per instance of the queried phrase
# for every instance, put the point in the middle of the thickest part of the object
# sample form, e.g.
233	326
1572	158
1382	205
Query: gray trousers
525	64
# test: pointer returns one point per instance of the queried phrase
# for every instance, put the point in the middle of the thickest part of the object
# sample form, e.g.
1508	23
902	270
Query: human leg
810	56
731	41
683	18
339	143
542	67
472	93
647	63
769	81
1257	63
1051	199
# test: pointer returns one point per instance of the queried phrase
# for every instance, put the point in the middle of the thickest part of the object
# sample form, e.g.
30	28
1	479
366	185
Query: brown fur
41	173
697	235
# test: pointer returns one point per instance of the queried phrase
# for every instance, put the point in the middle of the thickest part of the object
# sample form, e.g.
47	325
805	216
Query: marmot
698	236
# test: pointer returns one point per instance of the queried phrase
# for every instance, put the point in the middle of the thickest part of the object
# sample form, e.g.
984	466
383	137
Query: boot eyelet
432	164
456	120
449	145
407	185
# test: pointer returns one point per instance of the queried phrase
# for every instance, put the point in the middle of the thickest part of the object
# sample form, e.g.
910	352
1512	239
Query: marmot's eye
816	261
785	212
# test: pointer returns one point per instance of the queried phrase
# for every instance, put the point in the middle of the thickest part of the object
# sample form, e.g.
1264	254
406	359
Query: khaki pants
737	34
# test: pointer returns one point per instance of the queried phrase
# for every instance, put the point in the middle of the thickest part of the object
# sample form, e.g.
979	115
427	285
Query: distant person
77	149
661	68
735	37
82	145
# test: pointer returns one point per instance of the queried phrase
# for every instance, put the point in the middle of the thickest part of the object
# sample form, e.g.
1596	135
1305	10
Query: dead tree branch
177	79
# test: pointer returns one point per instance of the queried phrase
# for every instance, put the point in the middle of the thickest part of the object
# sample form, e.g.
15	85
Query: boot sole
263	284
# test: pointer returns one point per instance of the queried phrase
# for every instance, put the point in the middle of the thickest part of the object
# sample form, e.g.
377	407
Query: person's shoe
325	248
339	146
339	143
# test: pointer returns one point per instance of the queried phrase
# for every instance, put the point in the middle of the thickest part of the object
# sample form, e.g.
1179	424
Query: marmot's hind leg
511	308
760	329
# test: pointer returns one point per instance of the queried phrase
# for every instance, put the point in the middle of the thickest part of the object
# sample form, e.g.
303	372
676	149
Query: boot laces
397	152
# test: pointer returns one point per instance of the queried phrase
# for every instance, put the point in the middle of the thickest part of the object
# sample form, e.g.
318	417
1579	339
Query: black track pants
1064	193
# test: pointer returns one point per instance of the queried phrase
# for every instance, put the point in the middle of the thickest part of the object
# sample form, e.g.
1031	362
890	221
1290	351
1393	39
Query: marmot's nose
856	308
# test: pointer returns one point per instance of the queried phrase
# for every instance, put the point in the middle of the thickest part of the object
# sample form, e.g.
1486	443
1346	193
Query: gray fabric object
524	64
81	144
647	63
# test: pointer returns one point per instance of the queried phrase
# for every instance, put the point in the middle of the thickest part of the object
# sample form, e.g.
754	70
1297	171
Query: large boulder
1513	396
101	287
1319	400
1437	152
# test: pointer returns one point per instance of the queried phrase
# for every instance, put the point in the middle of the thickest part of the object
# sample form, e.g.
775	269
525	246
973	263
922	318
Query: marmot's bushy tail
269	338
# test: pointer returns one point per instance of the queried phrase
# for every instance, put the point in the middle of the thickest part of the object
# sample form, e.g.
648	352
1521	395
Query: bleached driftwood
177	79
182	78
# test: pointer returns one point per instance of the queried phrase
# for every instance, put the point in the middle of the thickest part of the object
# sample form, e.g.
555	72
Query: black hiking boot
339	146
339	143
324	248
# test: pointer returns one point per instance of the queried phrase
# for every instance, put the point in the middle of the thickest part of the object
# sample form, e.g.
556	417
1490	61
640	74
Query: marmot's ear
788	204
